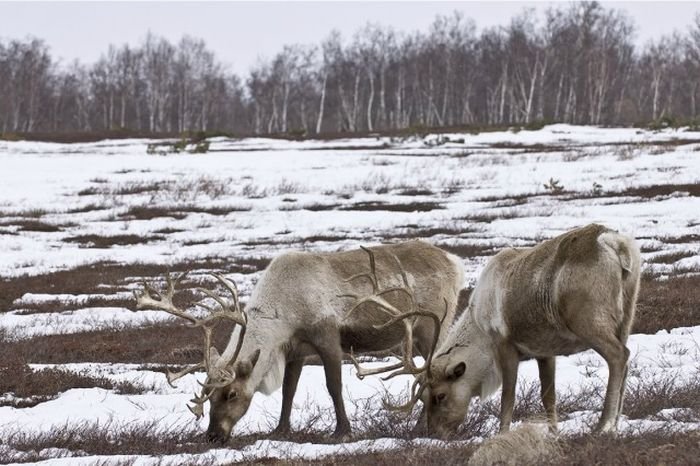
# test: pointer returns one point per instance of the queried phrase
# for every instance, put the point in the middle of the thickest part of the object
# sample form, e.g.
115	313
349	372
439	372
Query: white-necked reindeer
306	304
568	294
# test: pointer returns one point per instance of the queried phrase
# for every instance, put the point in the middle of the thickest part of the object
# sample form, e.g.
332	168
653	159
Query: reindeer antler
408	318
217	374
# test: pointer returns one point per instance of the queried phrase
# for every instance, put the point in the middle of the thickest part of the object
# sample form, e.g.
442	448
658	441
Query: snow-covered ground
255	198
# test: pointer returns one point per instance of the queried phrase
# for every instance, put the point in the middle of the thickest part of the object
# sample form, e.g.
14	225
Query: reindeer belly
367	339
545	340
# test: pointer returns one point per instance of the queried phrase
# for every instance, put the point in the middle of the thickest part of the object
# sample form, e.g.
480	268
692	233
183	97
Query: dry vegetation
30	387
644	399
663	305
89	279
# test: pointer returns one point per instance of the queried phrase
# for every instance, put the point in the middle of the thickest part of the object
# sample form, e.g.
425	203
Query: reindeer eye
231	396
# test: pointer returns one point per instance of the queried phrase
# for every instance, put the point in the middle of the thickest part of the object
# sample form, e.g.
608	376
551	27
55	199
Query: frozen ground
81	205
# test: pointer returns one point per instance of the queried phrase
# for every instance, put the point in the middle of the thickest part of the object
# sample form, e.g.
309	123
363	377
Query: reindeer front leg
292	372
332	363
508	361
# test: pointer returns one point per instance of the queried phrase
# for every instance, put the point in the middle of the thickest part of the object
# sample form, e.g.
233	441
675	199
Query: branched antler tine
362	372
215	297
404	277
205	306
199	400
181	277
231	286
173	376
359	275
207	349
373	269
197	410
408	406
151	292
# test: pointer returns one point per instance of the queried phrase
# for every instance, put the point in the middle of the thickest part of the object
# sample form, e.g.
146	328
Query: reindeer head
226	384
457	375
228	404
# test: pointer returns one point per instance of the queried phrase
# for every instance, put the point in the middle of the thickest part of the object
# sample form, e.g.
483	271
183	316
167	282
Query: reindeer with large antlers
324	304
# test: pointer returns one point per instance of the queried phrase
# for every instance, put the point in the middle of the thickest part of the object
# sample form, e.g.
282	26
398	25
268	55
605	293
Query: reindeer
308	304
568	294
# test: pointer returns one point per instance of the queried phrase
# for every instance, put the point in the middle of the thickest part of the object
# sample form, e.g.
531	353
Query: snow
661	355
281	183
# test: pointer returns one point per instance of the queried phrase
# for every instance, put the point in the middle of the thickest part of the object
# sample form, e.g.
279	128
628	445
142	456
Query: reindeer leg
292	372
616	355
547	368
331	355
604	341
509	360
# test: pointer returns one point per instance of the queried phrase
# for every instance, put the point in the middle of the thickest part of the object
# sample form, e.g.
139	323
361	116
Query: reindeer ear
457	371
244	368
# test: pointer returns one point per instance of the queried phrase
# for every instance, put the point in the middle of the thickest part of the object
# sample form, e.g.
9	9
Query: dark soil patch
527	148
416	192
88	208
51	306
169	342
38	386
90	279
179	212
671	257
103	242
32	225
326	238
149	213
692	238
383	206
416	231
320	207
516	199
662	190
667	304
168	231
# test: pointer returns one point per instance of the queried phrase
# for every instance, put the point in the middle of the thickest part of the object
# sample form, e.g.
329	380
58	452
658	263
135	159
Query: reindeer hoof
342	433
280	432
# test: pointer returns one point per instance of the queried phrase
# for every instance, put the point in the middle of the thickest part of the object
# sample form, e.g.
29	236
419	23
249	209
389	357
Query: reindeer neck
268	372
465	332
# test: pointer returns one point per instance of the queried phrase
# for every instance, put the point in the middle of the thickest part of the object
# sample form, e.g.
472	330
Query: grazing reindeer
568	294
306	304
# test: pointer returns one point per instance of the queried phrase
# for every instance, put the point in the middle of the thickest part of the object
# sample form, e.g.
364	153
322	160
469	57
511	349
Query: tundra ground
82	225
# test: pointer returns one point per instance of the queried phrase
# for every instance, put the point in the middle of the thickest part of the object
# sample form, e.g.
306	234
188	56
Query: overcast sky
240	32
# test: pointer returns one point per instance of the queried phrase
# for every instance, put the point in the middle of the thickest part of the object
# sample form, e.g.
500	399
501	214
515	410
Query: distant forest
576	63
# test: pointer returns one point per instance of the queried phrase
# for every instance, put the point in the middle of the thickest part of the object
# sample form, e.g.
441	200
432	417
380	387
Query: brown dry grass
165	343
104	439
384	206
667	304
671	257
101	242
90	279
34	387
31	225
